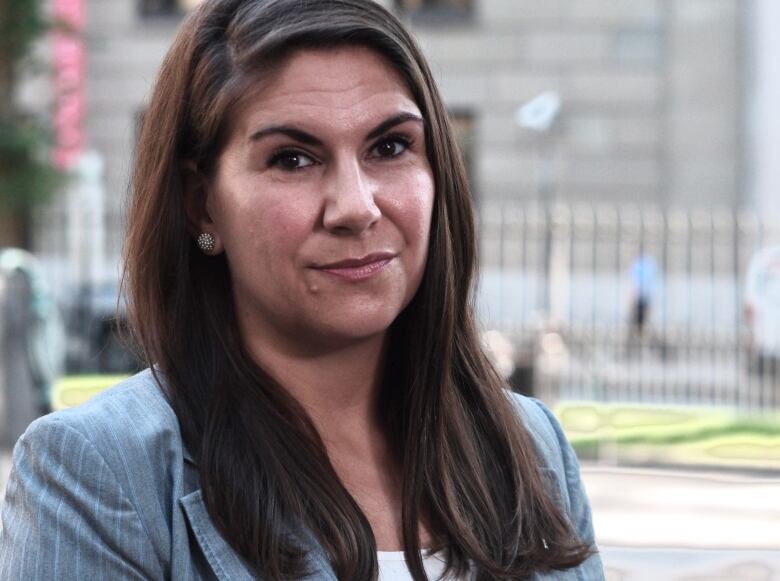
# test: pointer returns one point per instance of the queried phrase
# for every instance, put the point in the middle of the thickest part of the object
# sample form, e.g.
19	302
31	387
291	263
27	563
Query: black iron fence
633	303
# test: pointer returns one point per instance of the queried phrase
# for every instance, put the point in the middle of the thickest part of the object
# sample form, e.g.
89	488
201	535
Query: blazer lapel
226	563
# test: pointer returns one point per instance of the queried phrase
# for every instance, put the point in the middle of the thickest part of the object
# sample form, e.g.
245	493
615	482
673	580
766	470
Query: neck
338	388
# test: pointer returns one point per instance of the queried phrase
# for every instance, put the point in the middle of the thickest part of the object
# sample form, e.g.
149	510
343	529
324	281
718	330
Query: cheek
288	223
266	226
416	208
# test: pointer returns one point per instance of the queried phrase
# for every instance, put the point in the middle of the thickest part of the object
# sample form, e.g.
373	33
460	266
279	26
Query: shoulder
91	489
561	470
544	428
129	430
131	417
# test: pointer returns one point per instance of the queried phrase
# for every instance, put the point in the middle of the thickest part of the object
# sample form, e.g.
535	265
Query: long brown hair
468	464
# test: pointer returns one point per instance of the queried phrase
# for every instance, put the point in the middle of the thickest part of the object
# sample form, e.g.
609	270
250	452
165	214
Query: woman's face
322	201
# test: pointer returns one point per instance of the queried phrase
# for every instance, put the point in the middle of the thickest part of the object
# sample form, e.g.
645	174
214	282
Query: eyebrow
309	139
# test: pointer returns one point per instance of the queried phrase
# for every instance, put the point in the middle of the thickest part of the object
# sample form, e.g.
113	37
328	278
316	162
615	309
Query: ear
196	191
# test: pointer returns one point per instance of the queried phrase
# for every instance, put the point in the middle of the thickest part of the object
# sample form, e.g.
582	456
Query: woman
299	263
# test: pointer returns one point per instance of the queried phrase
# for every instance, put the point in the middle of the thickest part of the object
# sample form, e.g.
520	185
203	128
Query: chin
359	327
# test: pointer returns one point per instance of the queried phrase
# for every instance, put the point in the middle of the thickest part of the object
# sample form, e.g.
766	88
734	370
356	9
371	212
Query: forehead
345	85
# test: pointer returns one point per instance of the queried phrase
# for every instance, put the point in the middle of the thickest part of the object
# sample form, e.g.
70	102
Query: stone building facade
650	94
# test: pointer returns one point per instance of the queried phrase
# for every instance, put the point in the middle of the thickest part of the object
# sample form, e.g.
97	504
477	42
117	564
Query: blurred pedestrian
644	275
299	262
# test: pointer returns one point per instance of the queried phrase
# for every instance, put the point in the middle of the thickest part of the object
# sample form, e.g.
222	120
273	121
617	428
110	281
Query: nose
350	207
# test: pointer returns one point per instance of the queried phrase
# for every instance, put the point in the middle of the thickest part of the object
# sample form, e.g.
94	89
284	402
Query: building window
166	7
463	127
437	11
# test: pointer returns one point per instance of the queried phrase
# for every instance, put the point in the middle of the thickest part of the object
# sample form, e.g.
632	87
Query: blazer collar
226	563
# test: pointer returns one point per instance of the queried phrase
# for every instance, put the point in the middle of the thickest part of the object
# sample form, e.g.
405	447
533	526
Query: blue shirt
644	274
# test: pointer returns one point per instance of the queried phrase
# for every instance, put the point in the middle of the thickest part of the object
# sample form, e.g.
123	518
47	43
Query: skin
326	162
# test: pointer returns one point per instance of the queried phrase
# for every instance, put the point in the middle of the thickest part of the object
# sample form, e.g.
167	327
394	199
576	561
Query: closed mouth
357	269
369	259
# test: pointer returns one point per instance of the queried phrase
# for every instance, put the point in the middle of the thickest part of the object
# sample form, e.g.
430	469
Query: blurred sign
69	81
539	113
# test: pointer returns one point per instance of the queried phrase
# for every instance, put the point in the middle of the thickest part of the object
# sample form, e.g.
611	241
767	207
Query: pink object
70	73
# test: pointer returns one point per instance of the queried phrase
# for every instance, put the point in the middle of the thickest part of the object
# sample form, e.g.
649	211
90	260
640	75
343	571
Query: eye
390	147
290	160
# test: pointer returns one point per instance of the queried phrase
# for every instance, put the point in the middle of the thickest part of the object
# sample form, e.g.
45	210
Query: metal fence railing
564	282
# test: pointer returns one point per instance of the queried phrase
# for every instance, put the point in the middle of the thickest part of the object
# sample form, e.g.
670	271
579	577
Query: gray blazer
107	490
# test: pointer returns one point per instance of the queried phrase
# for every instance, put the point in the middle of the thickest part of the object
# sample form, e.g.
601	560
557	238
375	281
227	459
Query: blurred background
625	162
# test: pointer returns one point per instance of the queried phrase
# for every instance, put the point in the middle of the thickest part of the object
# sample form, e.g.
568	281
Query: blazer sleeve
575	497
66	515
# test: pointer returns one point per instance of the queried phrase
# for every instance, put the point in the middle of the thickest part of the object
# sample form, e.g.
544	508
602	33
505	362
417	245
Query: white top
392	566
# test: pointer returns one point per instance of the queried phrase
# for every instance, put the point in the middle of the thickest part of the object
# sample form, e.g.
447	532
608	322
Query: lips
358	262
356	269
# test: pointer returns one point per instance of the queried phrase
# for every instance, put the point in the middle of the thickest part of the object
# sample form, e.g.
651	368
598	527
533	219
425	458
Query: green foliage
27	176
673	435
21	22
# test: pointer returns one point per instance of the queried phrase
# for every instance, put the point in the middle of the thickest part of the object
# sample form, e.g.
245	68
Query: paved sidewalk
669	525
672	508
672	564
